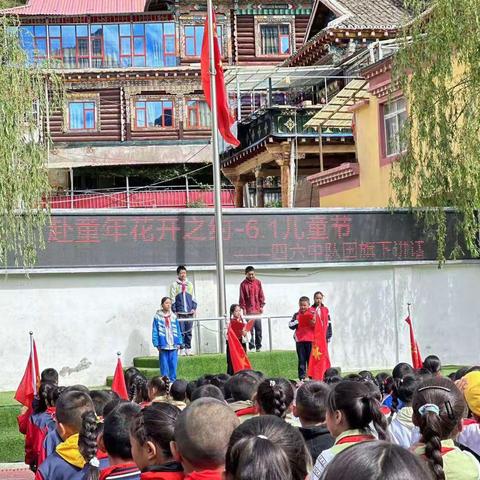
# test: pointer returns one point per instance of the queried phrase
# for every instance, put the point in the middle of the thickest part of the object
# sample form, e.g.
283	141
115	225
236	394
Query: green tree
24	145
438	69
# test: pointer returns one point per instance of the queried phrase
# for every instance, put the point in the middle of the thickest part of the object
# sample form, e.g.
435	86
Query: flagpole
216	177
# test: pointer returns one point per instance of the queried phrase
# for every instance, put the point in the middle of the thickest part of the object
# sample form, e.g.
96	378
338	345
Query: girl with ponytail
158	389
351	409
267	448
438	410
275	397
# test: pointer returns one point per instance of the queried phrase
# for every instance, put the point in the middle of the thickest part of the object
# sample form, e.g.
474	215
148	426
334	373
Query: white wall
81	320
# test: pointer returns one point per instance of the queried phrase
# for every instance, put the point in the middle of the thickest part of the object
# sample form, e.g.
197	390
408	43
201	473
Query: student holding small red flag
236	341
416	357
28	387
118	384
319	359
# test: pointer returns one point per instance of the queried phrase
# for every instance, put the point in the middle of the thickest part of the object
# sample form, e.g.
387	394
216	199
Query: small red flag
28	386
118	384
249	325
238	356
319	360
224	117
417	361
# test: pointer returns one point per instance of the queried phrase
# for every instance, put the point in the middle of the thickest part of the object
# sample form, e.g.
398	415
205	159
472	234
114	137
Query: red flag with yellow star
224	117
238	356
417	361
319	360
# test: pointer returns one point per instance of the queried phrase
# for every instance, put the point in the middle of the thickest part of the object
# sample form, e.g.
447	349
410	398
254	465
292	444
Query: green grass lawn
273	364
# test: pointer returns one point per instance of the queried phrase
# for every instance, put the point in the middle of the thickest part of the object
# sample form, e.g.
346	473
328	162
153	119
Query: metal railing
220	330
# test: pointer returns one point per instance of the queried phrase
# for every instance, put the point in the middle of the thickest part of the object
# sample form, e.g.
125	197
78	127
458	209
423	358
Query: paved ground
15	471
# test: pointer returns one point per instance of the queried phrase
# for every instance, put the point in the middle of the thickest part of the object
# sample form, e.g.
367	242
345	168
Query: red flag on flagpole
28	386
118	384
238	356
224	117
417	361
319	360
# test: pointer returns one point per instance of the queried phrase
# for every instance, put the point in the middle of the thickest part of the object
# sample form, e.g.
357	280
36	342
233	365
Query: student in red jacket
252	301
303	322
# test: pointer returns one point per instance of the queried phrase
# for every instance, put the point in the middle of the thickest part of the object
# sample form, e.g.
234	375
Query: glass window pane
140	104
82	30
126	62
169	28
126	46
89	119
125	29
41	47
190	47
198	40
168	118
189	31
391	136
285	45
170	44
138	29
112	54
90	105
138	61
54	30
269	39
40	31
96	30
83	47
139	45
168	104
26	39
75	115
284	29
55	47
154	38
141	118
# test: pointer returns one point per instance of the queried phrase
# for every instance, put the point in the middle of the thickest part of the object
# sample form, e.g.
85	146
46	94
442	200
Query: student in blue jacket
167	338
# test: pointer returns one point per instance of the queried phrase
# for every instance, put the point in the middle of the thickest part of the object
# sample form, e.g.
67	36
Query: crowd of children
410	424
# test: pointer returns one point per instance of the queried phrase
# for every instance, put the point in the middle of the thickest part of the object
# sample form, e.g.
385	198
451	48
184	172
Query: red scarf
205	475
247	411
101	454
355	439
167	320
120	469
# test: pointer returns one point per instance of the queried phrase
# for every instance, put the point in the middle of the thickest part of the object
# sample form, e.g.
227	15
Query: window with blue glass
34	42
194	39
154	114
81	116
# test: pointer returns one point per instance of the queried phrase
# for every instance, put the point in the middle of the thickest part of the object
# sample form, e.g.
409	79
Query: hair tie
99	419
434	387
94	462
429	407
262	436
272	383
449	409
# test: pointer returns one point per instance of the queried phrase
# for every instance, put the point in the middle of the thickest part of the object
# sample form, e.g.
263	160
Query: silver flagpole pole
216	179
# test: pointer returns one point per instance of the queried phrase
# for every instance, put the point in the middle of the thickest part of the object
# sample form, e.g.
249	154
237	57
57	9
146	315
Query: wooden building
132	73
277	139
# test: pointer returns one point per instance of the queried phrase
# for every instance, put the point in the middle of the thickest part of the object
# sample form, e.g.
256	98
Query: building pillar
239	184
260	197
283	161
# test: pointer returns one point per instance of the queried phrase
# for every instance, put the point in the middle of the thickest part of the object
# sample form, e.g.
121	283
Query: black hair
71	405
112	404
116	430
178	390
233	306
359	406
180	268
376	460
243	385
316	293
220	381
333	380
401	370
191	386
100	398
53	394
160	384
304	299
164	299
77	388
406	388
210	391
383	384
45	390
311	401
129	374
424	373
461	372
267	448
49	375
249	269
87	444
138	392
275	396
354	377
331	372
156	424
432	364
367	375
434	427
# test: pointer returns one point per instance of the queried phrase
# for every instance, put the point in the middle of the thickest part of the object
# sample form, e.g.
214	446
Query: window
394	116
194	39
198	114
96	39
275	39
34	42
154	114
81	116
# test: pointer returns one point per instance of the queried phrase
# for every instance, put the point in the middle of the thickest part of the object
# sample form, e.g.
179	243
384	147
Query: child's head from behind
402	369
311	403
303	304
116	431
207	391
49	375
433	364
243	386
45	392
438	409
70	407
158	387
202	433
151	432
269	448
178	390
100	398
275	397
353	405
378	460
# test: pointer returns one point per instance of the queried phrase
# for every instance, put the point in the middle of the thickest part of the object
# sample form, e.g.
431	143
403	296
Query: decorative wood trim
337	174
81	97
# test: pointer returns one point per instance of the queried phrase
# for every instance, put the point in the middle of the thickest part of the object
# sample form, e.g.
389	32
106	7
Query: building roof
77	7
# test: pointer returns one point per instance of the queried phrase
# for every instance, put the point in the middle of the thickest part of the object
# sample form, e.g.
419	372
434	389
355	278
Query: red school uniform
167	471
304	325
206	475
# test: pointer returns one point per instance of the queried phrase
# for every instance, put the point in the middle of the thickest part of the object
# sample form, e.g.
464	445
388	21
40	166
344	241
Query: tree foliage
24	147
438	70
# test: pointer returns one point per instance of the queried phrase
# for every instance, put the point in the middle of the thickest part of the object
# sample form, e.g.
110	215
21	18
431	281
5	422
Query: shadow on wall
137	346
